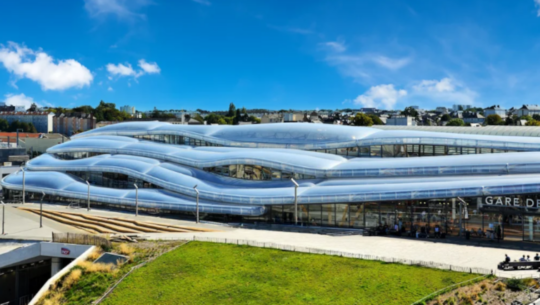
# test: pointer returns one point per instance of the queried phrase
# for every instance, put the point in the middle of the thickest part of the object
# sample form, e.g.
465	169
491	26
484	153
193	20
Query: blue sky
189	54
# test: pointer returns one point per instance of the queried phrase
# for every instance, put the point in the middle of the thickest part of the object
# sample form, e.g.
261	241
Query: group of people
522	259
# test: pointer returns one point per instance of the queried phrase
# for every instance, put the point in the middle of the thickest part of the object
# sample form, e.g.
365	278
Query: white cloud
444	90
444	85
291	29
537	4
364	66
381	96
203	2
149	68
20	100
121	70
110	89
122	9
38	66
391	63
335	46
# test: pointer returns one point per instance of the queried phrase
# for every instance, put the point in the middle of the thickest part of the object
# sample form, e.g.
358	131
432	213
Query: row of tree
26	127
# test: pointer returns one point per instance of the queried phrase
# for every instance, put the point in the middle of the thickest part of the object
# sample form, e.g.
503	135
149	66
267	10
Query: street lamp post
3	216
197	206
136	199
295	201
88	206
18	136
23	184
41	210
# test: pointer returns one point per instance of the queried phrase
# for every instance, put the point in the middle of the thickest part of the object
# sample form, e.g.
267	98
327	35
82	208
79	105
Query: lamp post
295	201
18	136
41	210
88	206
197	206
23	184
3	216
136	199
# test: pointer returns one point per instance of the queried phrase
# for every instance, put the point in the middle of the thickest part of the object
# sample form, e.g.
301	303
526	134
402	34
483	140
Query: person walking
499	233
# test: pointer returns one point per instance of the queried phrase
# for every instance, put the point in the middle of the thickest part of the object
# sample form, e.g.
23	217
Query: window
376	151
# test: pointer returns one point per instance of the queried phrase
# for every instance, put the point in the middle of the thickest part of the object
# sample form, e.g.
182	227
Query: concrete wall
41	249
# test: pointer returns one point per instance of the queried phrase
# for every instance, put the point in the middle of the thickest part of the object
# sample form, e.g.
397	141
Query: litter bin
467	235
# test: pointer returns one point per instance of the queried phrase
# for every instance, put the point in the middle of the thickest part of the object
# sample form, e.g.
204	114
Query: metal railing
80	239
420	263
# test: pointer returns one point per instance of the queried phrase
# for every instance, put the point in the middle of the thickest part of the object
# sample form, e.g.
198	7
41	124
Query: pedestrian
498	231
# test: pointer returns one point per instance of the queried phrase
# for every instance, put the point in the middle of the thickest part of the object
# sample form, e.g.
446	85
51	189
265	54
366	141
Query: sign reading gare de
512	201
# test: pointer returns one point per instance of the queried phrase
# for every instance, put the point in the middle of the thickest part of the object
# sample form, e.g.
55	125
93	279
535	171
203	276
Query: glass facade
254	172
405	151
76	155
175	139
113	180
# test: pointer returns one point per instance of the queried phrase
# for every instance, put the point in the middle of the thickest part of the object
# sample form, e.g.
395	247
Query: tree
376	120
254	119
360	119
446	117
199	118
410	111
460	108
494	119
455	122
533	123
232	110
526	118
4	125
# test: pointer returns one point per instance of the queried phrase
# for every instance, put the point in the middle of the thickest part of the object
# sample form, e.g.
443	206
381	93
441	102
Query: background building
73	122
43	121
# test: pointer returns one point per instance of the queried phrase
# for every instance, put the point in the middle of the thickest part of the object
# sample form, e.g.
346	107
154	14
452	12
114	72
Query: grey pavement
24	225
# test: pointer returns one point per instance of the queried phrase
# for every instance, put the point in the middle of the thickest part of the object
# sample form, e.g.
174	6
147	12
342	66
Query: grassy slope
207	273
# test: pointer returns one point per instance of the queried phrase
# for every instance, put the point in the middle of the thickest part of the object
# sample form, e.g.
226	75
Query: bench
519	265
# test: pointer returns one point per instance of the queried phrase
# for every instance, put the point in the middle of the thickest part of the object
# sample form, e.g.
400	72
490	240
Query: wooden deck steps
111	225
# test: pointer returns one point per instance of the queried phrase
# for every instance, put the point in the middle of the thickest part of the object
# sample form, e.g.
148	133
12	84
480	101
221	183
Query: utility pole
197	206
41	210
23	184
3	216
88	206
136	199
295	201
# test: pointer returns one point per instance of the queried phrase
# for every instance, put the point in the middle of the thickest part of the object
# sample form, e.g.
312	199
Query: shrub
500	286
71	278
95	254
125	249
93	267
516	284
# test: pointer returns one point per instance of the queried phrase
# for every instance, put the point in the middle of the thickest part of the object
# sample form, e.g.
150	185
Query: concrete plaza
23	225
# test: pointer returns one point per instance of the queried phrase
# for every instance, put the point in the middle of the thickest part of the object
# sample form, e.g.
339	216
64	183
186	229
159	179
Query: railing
80	239
449	288
426	264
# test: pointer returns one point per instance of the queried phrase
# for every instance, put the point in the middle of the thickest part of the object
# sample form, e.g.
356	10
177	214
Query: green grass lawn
209	273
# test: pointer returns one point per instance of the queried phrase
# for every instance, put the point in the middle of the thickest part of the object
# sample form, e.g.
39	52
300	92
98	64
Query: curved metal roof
176	168
307	136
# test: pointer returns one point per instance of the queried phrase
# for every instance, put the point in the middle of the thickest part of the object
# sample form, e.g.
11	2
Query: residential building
528	110
72	123
250	180
43	121
272	118
461	107
495	109
128	109
293	117
401	120
441	110
473	117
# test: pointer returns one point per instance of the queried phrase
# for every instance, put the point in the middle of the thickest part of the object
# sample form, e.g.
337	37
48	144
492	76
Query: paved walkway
410	249
25	225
